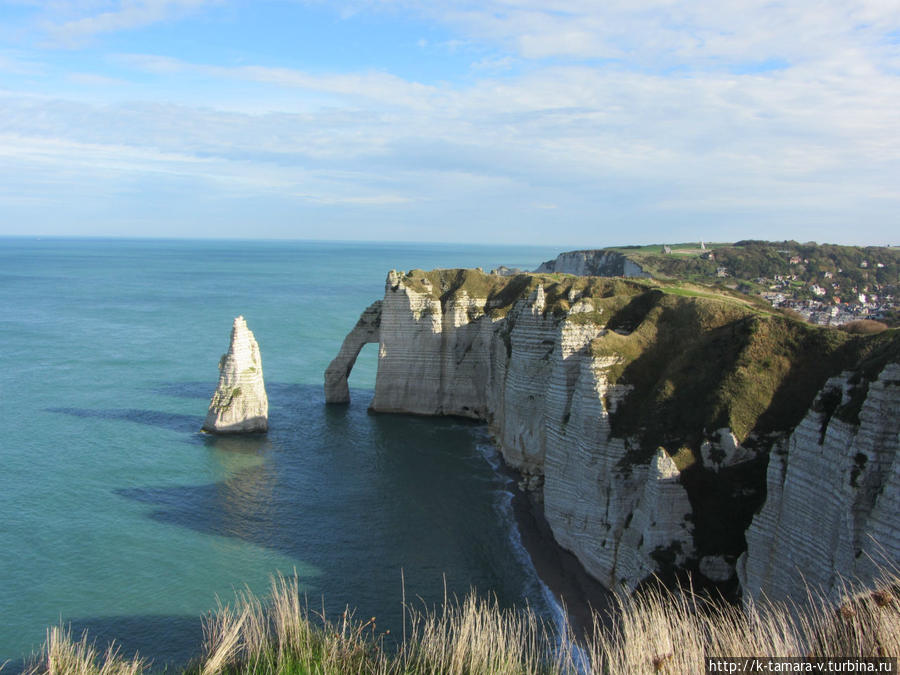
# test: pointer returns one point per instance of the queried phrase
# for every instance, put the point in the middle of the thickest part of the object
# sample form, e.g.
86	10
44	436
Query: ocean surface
120	518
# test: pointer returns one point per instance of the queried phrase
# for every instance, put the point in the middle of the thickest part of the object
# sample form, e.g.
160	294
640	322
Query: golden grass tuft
63	655
655	631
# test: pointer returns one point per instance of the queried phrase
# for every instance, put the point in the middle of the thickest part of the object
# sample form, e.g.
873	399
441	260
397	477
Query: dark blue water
119	517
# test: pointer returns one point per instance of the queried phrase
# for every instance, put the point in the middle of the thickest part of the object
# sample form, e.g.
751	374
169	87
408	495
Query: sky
574	123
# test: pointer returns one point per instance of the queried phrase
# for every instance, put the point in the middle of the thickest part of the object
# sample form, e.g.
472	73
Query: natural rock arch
367	329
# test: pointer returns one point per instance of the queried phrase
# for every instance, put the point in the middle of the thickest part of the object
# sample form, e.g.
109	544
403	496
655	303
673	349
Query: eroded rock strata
832	514
588	263
365	331
644	417
239	404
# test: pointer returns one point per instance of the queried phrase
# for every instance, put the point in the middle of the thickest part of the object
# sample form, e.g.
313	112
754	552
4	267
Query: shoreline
579	596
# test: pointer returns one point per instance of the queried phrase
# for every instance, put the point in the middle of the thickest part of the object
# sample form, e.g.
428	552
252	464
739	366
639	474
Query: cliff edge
597	263
239	404
642	415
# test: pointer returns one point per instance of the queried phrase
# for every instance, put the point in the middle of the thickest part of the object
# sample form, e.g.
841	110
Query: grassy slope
748	260
699	363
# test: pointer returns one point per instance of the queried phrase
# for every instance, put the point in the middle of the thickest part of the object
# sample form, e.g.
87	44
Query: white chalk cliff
365	331
593	263
832	512
239	404
536	359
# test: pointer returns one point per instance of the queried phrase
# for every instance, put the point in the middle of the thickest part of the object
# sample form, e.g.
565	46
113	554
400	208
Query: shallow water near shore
121	519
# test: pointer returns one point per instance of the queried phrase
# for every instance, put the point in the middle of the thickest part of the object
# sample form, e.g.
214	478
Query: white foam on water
503	505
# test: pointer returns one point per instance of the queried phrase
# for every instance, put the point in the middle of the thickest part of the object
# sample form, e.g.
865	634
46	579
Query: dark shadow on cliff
816	355
677	377
166	640
725	502
634	312
701	366
688	351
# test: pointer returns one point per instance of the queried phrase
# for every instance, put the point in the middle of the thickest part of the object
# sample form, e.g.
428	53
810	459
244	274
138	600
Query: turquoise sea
120	518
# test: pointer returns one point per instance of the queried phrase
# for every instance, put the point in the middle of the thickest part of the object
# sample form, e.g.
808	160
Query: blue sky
569	123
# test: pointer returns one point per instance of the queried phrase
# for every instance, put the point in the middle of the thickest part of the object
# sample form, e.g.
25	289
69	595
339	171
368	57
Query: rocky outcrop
239	404
833	495
597	263
530	374
365	331
641	419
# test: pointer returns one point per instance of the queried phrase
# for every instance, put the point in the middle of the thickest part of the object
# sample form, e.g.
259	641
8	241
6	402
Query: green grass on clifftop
698	364
503	292
698	358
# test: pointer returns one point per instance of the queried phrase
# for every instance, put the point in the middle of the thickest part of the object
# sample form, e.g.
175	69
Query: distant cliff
598	263
644	416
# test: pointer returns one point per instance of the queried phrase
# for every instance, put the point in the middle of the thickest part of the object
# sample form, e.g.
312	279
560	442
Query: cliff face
239	404
365	331
831	514
642	418
595	263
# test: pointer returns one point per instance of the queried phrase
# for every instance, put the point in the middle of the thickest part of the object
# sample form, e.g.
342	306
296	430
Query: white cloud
13	63
73	23
374	85
95	80
717	138
783	111
665	33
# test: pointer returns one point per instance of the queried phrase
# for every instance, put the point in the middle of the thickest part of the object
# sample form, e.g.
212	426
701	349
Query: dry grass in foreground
657	631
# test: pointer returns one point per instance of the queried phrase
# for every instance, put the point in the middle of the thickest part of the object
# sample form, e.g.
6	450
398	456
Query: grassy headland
860	281
697	359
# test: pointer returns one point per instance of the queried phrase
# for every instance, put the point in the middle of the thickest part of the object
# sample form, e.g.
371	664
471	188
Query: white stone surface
366	330
833	501
593	263
531	375
432	360
716	568
239	404
723	450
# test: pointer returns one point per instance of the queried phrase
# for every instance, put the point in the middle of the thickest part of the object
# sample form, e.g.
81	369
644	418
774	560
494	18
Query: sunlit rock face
530	374
593	263
540	360
239	404
832	510
366	330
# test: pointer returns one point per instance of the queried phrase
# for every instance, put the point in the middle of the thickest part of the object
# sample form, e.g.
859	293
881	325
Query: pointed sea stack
240	405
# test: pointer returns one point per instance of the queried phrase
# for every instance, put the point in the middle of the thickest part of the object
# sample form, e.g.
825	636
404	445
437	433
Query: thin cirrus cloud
372	85
73	23
674	31
654	116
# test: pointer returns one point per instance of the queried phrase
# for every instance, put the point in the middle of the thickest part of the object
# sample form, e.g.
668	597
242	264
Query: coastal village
829	311
826	285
